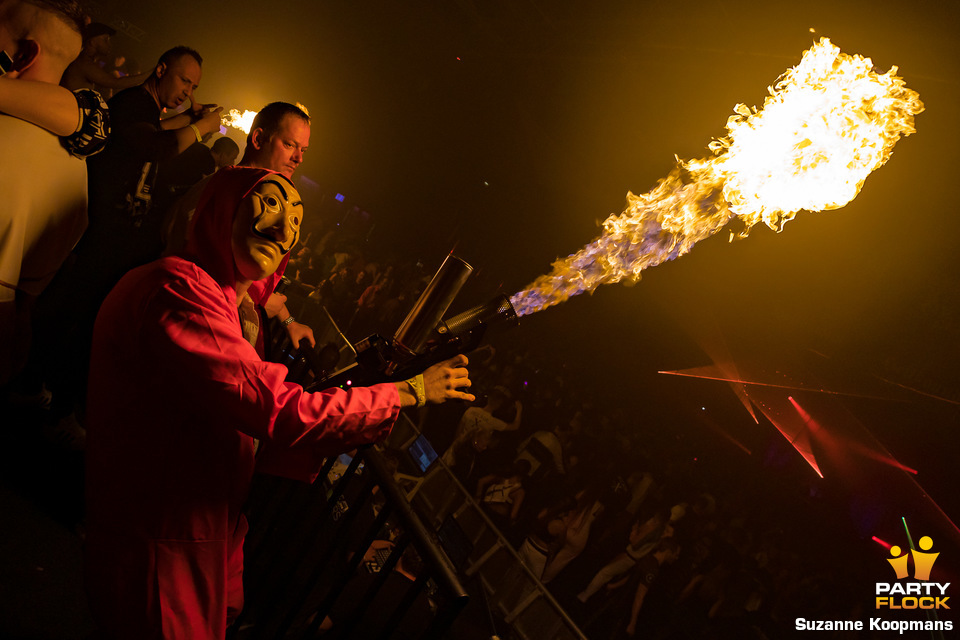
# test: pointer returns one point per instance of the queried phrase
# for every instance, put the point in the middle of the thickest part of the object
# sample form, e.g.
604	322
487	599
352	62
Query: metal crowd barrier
521	601
307	542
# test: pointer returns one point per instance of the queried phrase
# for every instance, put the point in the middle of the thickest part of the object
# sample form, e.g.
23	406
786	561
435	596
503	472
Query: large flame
825	126
239	120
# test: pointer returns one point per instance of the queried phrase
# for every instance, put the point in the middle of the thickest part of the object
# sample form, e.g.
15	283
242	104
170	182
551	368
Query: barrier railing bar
468	498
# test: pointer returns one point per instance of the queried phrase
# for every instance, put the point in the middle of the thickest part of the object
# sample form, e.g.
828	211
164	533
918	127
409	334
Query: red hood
210	244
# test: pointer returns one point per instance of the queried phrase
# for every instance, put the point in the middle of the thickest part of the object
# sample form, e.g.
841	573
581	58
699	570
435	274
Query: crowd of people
630	539
599	506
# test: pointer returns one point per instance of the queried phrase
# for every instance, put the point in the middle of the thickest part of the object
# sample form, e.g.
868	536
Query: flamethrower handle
380	361
358	375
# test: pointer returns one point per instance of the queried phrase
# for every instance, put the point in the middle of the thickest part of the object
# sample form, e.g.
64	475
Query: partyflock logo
909	593
921	592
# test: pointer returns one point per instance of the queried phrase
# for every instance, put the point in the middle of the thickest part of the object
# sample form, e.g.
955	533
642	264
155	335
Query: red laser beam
852	445
771	385
880	457
797	436
918	391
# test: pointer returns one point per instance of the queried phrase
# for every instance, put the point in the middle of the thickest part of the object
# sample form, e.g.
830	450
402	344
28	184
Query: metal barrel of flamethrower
419	325
481	315
423	339
460	334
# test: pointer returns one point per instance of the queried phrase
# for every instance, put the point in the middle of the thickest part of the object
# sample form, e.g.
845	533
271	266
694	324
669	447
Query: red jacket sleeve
188	328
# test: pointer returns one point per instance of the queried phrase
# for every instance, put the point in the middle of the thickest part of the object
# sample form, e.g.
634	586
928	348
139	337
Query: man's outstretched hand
441	382
444	380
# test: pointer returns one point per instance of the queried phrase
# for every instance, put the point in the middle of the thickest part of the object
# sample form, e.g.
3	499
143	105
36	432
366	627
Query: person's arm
689	589
482	485
192	331
276	307
193	124
557	452
496	424
516	421
518	496
619	583
298	331
635	610
94	74
207	124
368	296
177	121
192	114
167	143
79	118
46	105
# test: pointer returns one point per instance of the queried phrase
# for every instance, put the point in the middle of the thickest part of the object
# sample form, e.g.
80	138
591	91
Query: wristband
287	322
196	131
416	384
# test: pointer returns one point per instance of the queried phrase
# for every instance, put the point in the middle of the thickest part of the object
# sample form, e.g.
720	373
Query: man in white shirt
43	188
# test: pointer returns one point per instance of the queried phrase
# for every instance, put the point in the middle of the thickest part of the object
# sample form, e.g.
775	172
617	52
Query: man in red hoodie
177	396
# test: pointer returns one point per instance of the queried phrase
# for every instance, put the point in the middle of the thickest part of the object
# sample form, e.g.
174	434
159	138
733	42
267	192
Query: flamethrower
423	338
